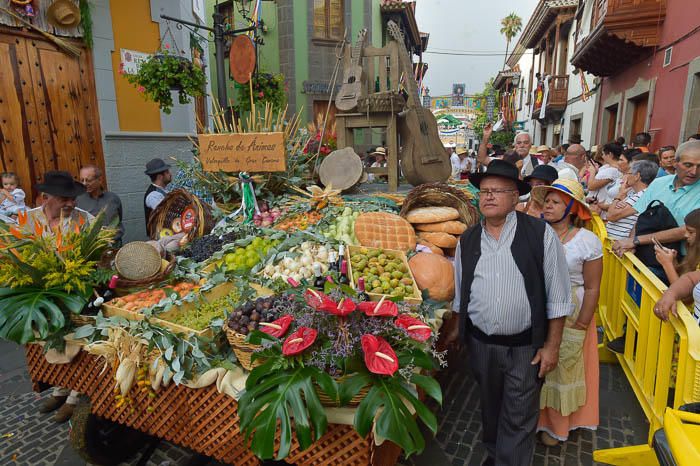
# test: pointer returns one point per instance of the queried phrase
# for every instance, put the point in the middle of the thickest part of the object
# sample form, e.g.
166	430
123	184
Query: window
575	127
328	19
668	53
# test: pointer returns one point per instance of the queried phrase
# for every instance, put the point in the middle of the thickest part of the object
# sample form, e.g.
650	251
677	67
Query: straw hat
543	148
461	150
571	188
533	150
379	151
63	14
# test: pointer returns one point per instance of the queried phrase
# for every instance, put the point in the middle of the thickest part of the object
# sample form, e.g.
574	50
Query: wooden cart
202	420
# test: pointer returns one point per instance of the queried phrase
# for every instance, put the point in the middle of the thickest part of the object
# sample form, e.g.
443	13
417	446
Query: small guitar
423	157
351	89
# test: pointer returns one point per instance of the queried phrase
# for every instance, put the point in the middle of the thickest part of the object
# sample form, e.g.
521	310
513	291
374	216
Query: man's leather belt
523	338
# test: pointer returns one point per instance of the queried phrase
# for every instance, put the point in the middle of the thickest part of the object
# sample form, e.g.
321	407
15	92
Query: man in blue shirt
680	193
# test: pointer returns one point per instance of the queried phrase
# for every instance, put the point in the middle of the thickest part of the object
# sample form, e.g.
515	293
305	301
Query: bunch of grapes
200	317
246	318
204	247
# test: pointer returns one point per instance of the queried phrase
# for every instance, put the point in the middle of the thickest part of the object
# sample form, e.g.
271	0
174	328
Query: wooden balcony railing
559	91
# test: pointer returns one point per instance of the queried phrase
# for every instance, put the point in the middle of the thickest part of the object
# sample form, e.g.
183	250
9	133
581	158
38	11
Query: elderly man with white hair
522	145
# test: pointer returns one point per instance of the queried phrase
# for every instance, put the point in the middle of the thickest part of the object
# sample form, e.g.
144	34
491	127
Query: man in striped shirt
511	326
621	215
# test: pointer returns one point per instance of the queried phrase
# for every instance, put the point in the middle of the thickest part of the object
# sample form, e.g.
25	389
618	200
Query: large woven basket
355	401
160	276
441	194
243	350
172	207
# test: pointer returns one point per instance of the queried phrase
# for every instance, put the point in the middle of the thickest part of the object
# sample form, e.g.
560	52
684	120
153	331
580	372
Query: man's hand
488	131
621	246
548	358
665	306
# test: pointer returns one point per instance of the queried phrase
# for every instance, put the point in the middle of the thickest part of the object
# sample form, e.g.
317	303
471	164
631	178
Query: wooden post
555	52
393	152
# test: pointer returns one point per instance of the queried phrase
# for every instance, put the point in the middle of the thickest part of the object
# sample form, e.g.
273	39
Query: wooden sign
242	59
238	152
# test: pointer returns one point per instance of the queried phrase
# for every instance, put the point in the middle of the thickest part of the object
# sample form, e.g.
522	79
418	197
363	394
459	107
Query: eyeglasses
87	180
495	192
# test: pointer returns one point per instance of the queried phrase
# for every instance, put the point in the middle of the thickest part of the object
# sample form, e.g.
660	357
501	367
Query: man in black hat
511	326
59	191
160	175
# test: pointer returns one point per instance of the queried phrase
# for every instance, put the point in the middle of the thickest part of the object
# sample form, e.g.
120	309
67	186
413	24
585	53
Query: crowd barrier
628	294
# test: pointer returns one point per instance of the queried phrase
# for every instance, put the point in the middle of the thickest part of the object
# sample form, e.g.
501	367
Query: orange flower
59	240
77	227
81	220
22	218
38	229
16	233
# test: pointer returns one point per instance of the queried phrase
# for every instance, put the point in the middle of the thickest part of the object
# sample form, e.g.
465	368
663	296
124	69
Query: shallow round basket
172	207
441	194
79	320
137	260
243	351
167	266
355	401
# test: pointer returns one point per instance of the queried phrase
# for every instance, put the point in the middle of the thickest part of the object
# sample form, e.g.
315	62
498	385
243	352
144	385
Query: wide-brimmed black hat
60	183
156	166
543	172
504	170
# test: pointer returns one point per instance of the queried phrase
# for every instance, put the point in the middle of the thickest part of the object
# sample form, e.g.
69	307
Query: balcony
622	33
556	101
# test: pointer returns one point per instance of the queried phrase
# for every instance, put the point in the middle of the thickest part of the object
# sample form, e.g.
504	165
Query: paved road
31	439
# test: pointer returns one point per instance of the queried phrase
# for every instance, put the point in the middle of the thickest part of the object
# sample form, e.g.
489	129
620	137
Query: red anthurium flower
379	309
316	299
379	357
278	327
299	341
416	328
343	308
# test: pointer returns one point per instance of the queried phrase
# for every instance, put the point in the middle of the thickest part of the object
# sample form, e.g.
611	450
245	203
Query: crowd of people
533	344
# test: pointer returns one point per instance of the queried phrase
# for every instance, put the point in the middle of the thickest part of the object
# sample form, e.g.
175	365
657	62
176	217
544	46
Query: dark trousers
510	400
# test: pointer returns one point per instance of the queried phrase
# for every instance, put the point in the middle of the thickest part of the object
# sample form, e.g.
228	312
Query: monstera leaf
24	311
275	394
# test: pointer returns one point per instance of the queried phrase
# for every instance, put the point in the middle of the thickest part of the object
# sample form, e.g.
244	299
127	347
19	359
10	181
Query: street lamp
244	8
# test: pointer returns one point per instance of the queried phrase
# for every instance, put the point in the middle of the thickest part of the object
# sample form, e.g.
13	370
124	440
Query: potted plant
266	88
332	346
165	72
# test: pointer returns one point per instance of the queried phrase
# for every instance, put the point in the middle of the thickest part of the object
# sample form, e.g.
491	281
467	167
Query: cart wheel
100	441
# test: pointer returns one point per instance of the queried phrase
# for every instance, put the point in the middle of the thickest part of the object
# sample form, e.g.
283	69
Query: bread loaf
384	230
434	249
432	214
453	227
442	240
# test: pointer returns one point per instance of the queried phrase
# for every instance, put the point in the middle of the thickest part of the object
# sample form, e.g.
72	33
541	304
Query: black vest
528	253
148	210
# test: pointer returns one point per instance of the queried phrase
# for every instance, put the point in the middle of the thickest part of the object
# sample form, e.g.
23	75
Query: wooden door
611	113
48	110
639	115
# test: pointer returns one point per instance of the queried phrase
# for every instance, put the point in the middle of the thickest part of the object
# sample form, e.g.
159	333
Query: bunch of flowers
266	88
340	346
330	139
164	72
44	277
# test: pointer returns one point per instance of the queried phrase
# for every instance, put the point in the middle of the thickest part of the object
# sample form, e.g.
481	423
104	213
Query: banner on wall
131	60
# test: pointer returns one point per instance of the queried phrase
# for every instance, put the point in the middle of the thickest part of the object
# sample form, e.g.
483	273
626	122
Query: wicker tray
441	194
200	419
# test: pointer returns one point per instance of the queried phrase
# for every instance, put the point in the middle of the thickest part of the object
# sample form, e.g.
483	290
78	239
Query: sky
466	26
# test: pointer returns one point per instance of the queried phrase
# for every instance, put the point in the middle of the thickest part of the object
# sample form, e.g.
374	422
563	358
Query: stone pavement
31	439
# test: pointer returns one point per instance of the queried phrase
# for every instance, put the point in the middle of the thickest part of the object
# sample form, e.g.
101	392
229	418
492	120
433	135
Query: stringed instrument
351	89
423	157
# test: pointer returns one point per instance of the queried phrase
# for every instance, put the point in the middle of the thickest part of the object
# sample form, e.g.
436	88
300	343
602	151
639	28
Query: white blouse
583	247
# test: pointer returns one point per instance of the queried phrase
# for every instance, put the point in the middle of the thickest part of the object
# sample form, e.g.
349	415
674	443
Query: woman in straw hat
569	397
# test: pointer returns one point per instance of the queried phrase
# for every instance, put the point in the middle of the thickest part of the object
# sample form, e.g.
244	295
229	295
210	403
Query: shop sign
238	152
131	60
318	87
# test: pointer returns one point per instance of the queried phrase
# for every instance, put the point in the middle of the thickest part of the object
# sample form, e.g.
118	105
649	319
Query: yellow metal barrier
628	294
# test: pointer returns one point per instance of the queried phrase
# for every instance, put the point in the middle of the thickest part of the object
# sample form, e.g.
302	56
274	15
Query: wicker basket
381	102
137	261
355	401
441	194
160	276
242	350
172	207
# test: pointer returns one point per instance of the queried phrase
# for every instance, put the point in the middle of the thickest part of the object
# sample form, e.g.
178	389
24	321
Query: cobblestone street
28	438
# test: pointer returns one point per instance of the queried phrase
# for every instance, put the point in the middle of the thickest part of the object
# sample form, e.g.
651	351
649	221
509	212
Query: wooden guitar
351	89
423	157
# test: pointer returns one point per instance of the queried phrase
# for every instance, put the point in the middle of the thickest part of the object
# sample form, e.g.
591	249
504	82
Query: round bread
439	239
432	214
453	227
434	249
384	230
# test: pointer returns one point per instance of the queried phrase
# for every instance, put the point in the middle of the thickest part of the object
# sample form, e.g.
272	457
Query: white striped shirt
498	303
620	229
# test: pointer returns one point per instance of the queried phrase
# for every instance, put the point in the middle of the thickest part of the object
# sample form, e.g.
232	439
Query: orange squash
434	273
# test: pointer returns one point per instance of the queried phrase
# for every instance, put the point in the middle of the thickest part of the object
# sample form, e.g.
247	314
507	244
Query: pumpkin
435	274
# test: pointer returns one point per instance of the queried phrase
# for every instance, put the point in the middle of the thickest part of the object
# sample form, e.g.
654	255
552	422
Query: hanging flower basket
165	72
266	88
